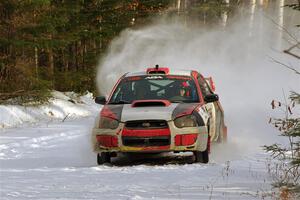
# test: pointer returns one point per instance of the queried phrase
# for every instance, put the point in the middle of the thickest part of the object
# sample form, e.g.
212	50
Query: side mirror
100	100
211	98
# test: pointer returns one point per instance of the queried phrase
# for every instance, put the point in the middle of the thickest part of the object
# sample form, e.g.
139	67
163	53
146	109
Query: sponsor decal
203	113
153	77
133	78
184	109
112	111
178	77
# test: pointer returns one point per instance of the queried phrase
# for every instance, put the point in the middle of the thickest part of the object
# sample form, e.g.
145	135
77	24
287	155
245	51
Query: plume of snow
237	56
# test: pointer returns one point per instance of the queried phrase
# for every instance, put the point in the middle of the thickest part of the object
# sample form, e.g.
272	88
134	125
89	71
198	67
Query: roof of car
171	72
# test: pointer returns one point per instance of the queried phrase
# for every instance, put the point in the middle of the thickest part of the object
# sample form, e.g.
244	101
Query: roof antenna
156	67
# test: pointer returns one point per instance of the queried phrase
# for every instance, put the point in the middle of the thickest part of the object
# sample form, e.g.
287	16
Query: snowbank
61	105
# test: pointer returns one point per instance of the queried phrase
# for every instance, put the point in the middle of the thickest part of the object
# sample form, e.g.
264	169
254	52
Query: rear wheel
201	156
103	157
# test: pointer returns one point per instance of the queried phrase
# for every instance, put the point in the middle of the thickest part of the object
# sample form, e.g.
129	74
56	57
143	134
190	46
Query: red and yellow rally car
159	110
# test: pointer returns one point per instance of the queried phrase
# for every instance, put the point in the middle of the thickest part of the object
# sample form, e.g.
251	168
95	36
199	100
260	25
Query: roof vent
158	70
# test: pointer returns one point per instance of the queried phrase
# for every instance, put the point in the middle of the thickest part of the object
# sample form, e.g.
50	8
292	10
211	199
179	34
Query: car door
212	109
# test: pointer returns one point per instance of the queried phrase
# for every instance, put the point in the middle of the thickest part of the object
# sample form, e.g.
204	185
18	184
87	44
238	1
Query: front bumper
158	143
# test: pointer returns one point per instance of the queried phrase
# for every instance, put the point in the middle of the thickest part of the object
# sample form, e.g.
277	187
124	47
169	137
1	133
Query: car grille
146	124
146	141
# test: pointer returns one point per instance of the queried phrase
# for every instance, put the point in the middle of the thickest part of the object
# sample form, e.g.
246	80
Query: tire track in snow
61	144
16	149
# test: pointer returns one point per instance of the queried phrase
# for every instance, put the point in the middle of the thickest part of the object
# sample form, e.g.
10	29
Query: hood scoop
149	103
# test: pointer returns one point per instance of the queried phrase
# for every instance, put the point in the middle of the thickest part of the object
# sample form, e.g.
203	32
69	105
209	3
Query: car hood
154	112
126	112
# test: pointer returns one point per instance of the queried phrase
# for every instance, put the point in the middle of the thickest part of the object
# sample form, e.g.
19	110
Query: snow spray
237	56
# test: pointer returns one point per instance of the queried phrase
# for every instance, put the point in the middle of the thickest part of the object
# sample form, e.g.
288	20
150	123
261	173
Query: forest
56	44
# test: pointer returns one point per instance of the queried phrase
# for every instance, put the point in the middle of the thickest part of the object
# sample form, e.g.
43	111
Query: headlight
185	121
108	123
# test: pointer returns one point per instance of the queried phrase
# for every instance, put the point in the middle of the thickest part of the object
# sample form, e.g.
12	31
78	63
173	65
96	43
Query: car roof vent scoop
158	70
149	103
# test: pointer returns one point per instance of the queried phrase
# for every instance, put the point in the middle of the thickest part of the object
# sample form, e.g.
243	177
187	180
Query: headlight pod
108	123
185	121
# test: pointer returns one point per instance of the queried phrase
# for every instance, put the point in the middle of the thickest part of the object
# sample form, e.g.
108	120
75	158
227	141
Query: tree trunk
36	57
84	52
94	46
51	62
36	61
178	5
76	56
64	61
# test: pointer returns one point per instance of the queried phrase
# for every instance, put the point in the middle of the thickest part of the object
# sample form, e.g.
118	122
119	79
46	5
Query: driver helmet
185	86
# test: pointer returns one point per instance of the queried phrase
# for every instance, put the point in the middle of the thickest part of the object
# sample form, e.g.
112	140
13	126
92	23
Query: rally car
159	110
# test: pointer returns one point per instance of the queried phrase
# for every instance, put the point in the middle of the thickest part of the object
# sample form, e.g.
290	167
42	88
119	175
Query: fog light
107	140
185	140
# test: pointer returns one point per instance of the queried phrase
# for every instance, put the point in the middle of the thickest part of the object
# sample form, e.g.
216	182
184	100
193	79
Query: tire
201	156
103	157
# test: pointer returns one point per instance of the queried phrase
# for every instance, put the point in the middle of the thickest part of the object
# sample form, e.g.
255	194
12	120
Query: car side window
124	92
204	86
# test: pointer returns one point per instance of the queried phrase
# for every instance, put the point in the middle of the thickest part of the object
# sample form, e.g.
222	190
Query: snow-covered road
54	161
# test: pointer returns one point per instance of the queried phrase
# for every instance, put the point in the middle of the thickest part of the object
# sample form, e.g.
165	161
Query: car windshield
173	88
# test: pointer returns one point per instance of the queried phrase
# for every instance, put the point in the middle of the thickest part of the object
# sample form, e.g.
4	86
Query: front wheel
201	156
103	157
